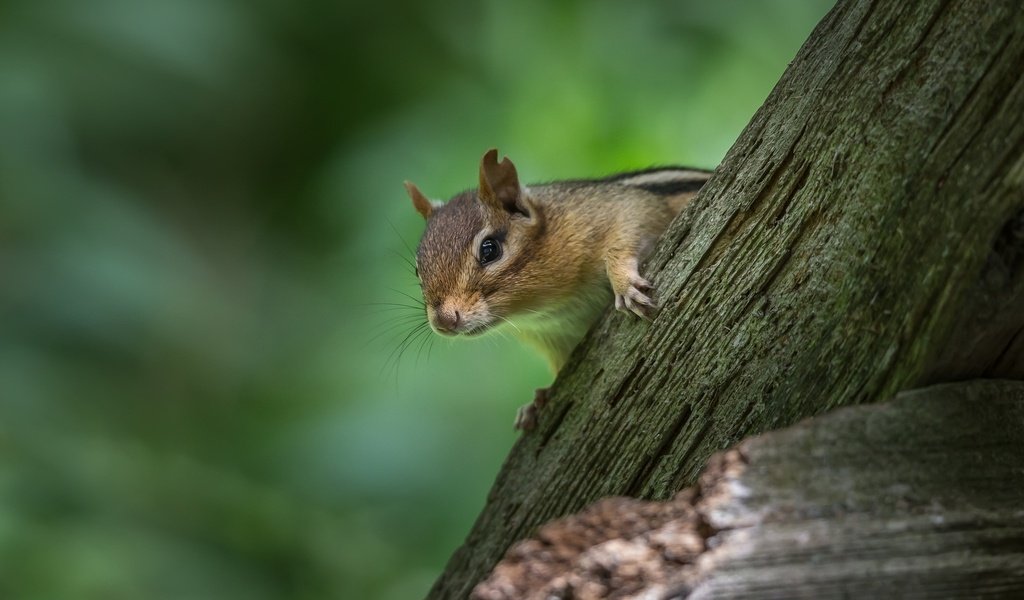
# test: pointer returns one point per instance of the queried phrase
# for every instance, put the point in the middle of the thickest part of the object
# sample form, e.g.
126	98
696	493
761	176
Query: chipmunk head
476	251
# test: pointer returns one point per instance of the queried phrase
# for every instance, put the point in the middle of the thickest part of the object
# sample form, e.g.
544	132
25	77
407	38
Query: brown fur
568	248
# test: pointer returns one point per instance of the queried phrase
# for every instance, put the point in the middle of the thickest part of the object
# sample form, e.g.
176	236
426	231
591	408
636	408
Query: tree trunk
864	235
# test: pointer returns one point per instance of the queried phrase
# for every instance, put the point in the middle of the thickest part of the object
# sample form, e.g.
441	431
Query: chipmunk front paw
631	290
526	416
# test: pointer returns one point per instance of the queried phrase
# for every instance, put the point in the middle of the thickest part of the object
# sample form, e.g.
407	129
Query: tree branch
918	497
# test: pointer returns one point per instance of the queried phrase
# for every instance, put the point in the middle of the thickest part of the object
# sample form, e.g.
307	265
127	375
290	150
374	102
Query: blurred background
203	244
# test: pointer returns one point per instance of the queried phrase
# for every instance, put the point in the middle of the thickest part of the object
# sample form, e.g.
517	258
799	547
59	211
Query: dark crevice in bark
671	435
1005	354
626	387
553	428
969	101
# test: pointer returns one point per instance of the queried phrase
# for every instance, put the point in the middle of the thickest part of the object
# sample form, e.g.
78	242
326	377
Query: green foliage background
198	201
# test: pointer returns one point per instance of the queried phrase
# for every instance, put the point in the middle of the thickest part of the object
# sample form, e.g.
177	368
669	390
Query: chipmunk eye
490	251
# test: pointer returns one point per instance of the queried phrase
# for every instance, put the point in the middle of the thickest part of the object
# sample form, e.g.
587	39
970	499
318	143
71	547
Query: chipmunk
546	259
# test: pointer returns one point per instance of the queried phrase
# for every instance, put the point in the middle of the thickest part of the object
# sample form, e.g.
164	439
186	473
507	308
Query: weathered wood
862	237
921	497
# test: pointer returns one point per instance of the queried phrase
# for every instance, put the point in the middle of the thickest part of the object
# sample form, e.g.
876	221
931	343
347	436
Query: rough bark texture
922	497
865	235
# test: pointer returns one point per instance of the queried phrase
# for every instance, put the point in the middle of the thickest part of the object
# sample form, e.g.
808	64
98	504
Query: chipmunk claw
634	300
632	292
526	416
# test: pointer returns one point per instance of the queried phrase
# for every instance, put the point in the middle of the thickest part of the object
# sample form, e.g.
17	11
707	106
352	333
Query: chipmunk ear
500	188
423	205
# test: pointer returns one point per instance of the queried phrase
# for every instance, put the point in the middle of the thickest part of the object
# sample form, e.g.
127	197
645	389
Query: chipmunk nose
447	321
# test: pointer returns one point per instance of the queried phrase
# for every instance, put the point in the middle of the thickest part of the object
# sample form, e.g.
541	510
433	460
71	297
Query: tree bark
864	235
920	497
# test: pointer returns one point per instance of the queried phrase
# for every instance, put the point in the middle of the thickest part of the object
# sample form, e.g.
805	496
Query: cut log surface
865	235
921	497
